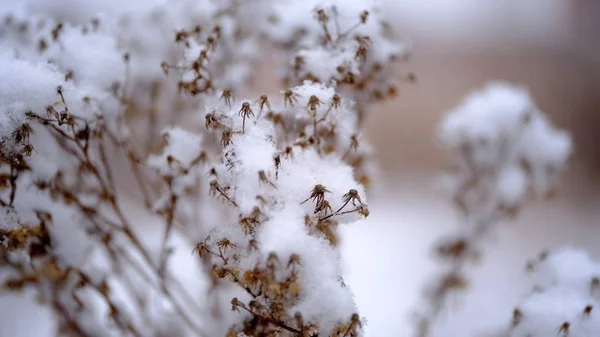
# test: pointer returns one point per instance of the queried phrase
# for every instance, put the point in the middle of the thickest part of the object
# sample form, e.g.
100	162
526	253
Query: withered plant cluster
145	190
140	195
503	152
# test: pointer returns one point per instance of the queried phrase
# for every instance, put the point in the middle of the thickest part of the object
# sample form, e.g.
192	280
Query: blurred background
553	48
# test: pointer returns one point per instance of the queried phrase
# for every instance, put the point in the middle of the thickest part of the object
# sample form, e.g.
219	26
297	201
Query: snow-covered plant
124	142
145	192
503	150
563	297
351	44
276	193
347	44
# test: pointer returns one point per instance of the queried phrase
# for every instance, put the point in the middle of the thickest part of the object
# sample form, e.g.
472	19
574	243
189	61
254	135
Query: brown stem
271	320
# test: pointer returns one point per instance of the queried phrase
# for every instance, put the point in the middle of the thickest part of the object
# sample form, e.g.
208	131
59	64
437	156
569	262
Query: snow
503	129
565	290
272	191
25	86
181	149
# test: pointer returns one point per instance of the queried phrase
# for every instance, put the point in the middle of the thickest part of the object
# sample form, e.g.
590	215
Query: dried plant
562	299
129	137
503	151
110	167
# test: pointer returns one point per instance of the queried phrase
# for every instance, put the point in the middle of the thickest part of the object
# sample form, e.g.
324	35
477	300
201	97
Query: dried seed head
42	45
317	194
225	244
363	210
355	321
262	101
246	111
272	260
354	144
351	196
252	245
322	17
313	103
453	281
214	187
56	31
364	16
210	120
289	152
323	207
298	62
454	248
516	318
289	96
165	67
226	137
262	178
564	328
336	101
211	42
181	35
294	260
235	303
227	96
